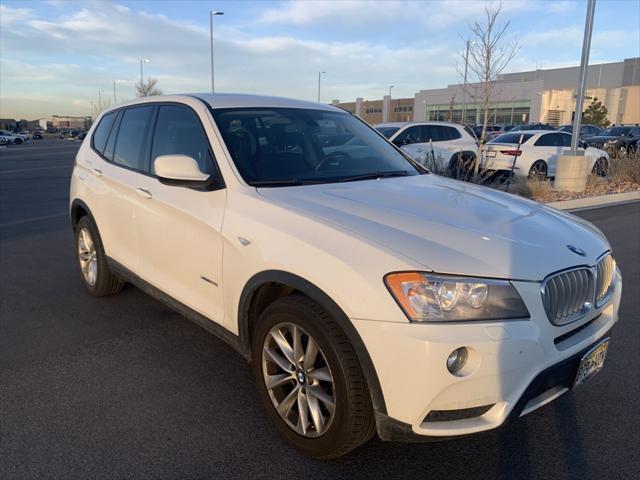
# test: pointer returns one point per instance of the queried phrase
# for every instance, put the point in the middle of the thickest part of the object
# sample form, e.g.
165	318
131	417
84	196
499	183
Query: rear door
180	227
111	174
547	148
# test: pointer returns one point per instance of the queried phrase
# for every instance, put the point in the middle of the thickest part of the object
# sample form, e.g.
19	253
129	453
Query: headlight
426	297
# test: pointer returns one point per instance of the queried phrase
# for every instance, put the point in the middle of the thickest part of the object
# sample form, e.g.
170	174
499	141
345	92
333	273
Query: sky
60	57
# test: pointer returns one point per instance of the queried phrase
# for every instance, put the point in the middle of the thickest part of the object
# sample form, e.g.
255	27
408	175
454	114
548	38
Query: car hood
450	226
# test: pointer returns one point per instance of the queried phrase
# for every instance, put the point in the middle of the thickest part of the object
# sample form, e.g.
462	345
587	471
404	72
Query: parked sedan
450	145
586	131
616	140
532	126
536	152
11	137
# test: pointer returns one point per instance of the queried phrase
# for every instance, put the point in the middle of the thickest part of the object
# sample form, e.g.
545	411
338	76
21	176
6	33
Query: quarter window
129	150
102	132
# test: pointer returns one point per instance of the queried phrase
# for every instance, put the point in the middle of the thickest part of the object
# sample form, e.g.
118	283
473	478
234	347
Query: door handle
143	192
97	172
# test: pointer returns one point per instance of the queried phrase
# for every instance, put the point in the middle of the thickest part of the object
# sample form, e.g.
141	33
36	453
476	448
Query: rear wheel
600	167
538	170
17	141
309	379
98	278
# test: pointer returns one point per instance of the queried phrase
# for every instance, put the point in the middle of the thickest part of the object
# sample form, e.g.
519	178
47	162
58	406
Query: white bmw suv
368	294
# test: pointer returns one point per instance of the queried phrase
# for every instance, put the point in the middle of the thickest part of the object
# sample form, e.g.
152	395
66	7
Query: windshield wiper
375	175
287	182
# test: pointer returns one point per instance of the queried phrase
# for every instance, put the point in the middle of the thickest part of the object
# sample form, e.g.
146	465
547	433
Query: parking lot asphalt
123	387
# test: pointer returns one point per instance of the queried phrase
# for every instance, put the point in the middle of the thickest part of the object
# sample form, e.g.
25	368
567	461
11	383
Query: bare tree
148	88
490	51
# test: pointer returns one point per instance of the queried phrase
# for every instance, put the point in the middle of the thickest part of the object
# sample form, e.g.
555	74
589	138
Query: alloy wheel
298	379
88	256
538	171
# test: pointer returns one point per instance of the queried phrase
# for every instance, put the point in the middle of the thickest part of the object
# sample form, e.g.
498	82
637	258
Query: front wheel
600	167
17	141
538	170
310	380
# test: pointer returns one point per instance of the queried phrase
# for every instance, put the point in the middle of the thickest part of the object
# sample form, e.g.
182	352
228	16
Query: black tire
353	422
600	167
17	141
106	282
538	170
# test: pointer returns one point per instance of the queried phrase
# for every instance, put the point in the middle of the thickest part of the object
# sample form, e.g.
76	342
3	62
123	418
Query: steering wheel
337	155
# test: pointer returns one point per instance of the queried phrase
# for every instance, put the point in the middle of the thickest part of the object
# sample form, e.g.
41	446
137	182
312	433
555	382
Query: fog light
457	360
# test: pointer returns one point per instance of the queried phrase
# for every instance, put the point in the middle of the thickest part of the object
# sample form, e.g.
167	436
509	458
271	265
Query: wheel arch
290	283
78	210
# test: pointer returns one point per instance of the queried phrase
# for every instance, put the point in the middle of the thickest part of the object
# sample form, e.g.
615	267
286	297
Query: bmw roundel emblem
577	251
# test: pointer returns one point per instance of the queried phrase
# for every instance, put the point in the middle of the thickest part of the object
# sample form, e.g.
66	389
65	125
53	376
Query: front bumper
515	368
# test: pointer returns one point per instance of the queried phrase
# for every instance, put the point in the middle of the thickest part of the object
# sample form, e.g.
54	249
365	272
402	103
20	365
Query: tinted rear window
102	132
511	138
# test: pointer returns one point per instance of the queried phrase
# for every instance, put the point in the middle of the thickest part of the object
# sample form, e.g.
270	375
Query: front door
180	227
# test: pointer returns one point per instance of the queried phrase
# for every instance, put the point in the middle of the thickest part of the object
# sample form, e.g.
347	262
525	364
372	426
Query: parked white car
447	144
11	137
537	156
369	295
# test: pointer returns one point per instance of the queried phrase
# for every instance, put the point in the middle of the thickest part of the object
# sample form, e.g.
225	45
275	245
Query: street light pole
464	87
390	87
114	92
319	75
212	14
584	63
142	60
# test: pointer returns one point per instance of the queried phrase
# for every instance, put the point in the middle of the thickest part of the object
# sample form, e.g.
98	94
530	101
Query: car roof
235	100
403	124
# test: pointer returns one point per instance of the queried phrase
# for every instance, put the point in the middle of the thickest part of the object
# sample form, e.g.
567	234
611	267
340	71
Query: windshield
615	131
387	131
292	146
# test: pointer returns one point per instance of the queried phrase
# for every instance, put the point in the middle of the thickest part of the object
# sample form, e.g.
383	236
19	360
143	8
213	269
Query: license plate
592	362
490	154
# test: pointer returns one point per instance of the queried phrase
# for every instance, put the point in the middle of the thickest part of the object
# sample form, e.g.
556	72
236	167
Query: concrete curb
595	202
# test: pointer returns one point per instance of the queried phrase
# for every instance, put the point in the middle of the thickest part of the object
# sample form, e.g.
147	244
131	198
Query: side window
564	139
179	132
111	143
130	144
635	132
102	131
545	140
412	134
431	132
453	133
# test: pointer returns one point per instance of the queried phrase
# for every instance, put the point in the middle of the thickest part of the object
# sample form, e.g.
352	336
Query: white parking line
35	219
68	167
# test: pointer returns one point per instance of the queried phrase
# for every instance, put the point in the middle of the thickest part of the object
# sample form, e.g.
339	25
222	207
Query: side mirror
179	170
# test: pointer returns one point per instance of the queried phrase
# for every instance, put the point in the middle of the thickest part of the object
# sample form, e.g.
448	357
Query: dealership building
546	96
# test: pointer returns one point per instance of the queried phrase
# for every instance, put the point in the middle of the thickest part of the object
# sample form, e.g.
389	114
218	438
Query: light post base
571	173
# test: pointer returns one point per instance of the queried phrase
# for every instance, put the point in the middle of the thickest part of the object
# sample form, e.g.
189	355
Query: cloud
67	58
82	52
10	16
